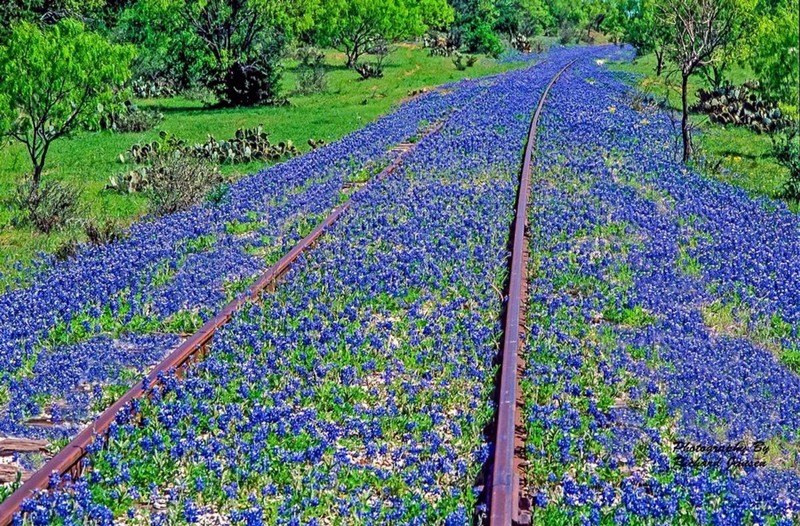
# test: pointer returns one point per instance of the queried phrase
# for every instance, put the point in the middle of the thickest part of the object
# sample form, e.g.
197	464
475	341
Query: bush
442	44
539	45
370	70
481	39
567	34
374	70
156	87
312	77
50	206
177	184
786	148
248	144
103	233
461	62
128	118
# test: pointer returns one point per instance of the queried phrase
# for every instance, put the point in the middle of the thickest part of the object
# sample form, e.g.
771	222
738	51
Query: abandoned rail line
506	499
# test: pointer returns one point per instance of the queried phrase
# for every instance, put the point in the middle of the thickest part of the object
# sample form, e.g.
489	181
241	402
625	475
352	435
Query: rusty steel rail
507	506
68	460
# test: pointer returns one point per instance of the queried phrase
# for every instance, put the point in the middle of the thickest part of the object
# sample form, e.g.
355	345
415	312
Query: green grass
744	153
89	158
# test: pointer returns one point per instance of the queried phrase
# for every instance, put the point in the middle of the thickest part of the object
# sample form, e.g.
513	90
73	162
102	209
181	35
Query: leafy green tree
48	12
356	26
526	17
643	30
476	22
51	82
568	13
167	46
776	53
233	47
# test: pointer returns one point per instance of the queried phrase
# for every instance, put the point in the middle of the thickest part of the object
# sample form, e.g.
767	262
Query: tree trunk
687	138
37	176
352	56
659	61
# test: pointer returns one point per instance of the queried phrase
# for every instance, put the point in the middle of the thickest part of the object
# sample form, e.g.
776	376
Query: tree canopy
355	26
52	81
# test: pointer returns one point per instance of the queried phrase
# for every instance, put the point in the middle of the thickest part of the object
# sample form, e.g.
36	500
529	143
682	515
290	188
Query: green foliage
480	38
247	145
101	233
51	82
568	13
775	54
312	76
356	26
127	118
170	58
461	62
787	151
48	12
233	48
525	17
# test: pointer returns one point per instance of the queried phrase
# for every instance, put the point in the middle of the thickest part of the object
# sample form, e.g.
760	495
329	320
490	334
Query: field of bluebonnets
76	336
663	326
663	318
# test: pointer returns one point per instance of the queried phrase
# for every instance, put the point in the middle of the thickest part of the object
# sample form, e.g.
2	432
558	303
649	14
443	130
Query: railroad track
68	461
508	503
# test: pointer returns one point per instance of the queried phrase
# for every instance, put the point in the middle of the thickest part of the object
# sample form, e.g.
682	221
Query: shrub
50	206
461	62
481	39
248	144
177	184
156	87
374	70
567	34
128	118
103	233
166	144
786	148
370	70
312	77
539	45
442	44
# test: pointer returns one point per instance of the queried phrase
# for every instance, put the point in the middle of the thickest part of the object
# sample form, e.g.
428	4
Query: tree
698	29
527	17
643	30
51	82
47	12
568	13
356	26
776	54
233	47
475	24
